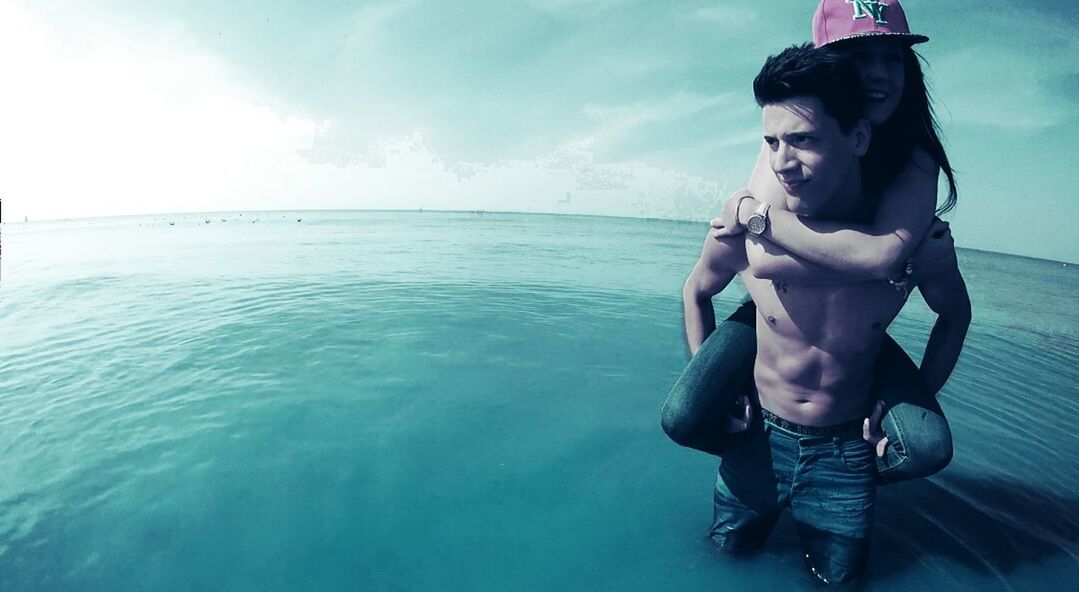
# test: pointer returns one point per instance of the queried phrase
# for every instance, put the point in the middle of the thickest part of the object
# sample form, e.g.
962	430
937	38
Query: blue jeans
920	442
827	480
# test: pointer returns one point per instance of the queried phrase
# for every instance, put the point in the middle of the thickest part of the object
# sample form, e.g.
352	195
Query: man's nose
783	159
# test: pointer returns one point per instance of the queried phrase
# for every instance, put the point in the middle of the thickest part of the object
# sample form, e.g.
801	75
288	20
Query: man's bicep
719	262
706	281
946	294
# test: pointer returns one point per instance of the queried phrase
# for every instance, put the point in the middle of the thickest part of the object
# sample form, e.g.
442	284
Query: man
816	344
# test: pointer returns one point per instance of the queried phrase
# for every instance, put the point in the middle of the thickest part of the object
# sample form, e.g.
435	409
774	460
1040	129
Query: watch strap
738	208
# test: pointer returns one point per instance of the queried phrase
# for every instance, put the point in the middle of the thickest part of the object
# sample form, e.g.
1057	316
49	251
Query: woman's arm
859	252
770	261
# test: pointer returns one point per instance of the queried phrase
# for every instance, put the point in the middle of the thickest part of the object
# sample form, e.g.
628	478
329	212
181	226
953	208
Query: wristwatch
758	220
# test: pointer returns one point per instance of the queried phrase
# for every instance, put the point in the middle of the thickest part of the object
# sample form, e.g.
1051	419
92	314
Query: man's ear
860	136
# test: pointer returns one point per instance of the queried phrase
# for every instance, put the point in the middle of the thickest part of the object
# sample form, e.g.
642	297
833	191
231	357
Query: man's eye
799	140
772	142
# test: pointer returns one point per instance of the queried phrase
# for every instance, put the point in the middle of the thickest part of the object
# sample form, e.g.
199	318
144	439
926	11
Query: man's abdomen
810	385
816	346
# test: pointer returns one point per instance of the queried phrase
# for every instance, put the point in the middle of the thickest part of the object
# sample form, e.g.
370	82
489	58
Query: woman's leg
719	373
919	440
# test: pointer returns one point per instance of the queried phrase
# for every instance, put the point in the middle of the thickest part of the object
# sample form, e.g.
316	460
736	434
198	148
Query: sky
609	107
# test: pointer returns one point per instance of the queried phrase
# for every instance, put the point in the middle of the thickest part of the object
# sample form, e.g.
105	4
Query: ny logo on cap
864	8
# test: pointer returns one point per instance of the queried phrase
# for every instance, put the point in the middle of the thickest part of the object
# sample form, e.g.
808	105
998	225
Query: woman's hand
936	253
728	224
740	417
872	432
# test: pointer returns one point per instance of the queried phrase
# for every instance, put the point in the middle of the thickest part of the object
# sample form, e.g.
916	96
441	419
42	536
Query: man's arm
720	260
946	294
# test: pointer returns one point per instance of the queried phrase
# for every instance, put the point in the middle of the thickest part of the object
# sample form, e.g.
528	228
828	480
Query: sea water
456	401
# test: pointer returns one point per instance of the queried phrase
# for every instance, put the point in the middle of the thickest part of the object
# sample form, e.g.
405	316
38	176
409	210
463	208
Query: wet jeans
827	480
920	442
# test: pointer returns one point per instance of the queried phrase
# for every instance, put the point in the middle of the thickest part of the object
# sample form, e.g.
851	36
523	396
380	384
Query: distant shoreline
458	212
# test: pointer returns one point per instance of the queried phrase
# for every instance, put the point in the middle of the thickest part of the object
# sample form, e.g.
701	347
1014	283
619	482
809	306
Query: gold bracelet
902	285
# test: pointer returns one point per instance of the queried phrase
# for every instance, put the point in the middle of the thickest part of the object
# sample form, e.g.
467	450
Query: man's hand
936	253
728	224
740	421
871	431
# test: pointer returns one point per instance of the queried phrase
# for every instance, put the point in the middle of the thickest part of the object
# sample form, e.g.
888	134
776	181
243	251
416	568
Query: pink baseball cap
836	20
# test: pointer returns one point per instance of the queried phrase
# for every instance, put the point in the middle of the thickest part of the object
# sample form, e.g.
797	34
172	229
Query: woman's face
881	63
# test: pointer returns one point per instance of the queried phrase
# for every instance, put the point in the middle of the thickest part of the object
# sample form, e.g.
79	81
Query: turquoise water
455	401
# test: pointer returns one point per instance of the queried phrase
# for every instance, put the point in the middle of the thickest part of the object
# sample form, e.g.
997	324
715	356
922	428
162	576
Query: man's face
810	156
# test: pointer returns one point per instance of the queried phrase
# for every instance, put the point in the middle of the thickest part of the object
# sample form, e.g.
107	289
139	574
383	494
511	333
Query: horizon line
472	211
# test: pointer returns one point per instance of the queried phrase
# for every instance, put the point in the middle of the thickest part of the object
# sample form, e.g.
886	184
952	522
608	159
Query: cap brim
910	38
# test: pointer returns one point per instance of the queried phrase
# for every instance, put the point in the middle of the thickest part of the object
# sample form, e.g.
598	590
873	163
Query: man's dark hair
802	70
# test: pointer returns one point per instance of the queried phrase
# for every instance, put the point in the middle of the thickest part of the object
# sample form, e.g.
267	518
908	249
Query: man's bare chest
834	318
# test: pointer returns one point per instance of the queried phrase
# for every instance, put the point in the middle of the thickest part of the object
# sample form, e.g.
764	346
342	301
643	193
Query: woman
901	171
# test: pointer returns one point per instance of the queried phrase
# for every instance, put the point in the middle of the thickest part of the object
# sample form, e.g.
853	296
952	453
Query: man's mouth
792	185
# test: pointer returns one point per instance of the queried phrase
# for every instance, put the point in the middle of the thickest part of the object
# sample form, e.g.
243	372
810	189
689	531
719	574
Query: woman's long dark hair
913	124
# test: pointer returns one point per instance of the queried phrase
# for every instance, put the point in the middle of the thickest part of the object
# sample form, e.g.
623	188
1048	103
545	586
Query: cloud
728	15
1018	95
369	23
134	127
616	122
574	8
1015	86
93	130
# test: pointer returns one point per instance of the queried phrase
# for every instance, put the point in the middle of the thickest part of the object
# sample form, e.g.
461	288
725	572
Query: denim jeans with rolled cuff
919	439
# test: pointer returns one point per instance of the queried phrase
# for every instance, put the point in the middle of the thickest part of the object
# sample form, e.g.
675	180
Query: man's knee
740	538
833	573
735	543
837	566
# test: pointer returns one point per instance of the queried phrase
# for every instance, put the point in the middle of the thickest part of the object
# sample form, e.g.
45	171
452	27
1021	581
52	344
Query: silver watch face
755	224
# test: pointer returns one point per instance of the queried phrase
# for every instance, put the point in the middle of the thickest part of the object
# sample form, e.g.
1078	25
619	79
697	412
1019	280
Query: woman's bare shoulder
922	162
916	184
908	202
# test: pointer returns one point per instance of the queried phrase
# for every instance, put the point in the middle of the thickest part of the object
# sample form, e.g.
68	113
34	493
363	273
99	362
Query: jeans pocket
857	455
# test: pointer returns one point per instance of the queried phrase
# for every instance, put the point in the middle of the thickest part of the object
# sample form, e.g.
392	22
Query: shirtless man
816	344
